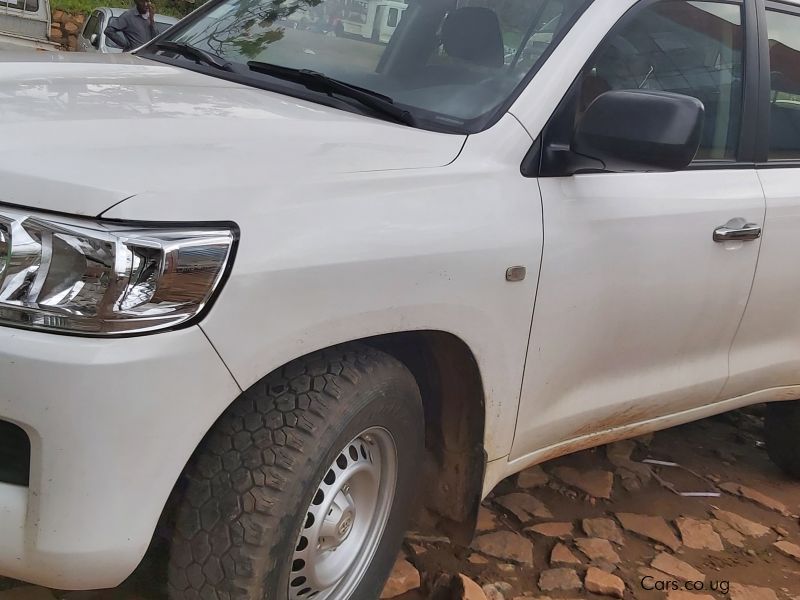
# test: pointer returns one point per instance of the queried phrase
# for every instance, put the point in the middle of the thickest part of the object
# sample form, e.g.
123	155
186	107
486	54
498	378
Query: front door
638	304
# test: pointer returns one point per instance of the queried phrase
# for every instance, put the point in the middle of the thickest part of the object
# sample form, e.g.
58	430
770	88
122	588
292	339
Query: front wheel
303	489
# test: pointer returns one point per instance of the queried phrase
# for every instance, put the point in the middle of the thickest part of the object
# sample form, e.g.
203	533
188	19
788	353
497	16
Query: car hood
80	133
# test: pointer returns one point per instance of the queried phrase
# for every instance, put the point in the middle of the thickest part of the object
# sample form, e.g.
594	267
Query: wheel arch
451	386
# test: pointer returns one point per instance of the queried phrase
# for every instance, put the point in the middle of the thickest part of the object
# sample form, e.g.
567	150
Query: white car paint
637	272
79	525
767	347
177	128
426	249
353	227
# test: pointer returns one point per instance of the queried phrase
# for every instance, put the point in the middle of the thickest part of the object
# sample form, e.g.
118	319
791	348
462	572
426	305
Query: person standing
134	27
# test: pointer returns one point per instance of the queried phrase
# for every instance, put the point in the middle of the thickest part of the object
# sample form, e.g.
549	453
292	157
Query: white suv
284	289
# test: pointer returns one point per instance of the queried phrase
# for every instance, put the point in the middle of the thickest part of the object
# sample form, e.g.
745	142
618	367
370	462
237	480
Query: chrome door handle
737	230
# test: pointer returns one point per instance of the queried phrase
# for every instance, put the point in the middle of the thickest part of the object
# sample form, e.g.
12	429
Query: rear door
638	305
766	353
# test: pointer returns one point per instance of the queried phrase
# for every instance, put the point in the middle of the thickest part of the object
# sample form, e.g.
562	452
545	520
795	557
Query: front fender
335	258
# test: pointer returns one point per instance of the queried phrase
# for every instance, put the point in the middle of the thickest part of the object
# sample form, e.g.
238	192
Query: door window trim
754	140
755	91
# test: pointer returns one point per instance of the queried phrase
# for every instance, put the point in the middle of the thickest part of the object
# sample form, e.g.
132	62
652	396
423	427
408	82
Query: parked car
306	288
25	25
93	35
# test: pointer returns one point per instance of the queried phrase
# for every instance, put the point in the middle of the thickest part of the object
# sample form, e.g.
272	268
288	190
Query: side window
91	25
393	17
26	5
784	55
686	47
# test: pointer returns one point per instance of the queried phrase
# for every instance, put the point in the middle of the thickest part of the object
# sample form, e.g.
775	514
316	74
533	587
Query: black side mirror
94	40
640	130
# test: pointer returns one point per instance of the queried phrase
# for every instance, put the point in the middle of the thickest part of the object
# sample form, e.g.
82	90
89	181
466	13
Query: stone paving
602	524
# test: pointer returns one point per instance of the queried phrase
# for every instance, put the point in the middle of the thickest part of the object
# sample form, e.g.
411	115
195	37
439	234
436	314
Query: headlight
101	279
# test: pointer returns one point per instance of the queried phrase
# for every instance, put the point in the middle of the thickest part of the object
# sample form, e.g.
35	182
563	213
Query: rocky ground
603	524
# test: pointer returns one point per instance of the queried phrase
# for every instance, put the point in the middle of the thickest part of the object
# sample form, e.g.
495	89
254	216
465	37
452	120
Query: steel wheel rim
345	521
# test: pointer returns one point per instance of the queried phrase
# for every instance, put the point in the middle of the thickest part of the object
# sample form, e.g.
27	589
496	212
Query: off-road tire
242	495
782	430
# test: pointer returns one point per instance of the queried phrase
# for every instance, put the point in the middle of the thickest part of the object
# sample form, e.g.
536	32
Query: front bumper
112	424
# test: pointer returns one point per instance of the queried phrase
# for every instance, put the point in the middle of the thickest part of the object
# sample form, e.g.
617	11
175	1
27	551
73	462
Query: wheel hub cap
344	527
346	519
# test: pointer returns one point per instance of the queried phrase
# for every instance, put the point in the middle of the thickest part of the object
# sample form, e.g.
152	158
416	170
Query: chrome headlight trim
102	278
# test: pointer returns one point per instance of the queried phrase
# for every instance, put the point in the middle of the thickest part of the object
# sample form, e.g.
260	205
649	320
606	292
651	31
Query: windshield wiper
190	51
319	82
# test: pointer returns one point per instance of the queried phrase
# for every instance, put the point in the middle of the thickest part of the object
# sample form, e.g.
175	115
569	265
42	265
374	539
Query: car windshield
450	63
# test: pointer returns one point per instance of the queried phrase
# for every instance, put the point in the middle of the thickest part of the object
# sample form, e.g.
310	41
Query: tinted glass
784	54
691	48
446	61
92	25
